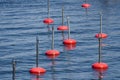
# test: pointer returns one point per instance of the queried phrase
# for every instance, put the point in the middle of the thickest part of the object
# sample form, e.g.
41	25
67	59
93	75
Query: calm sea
22	20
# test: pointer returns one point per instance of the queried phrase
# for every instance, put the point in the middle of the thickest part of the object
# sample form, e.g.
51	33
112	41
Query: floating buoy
52	53
86	5
69	40
101	35
48	21
37	70
100	66
62	28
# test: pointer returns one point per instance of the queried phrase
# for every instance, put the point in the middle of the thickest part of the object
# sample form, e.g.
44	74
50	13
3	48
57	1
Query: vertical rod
99	50
48	4
63	20
100	22
14	68
52	38
63	15
68	23
37	51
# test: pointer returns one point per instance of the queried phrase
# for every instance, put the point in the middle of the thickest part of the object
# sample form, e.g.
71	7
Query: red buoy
52	53
37	71
86	5
62	28
100	66
48	21
69	41
101	35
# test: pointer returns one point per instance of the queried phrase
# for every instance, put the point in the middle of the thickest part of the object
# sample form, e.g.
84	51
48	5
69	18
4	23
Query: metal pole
48	3
52	38
37	51
63	15
68	23
63	20
99	50
100	22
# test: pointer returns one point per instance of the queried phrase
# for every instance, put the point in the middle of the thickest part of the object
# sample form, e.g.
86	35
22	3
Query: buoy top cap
48	21
62	28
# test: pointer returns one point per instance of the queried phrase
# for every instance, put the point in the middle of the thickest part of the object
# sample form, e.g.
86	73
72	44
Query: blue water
22	20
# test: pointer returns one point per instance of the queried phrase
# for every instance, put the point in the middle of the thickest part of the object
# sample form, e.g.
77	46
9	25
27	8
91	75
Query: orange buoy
37	71
86	5
62	28
100	66
101	35
69	41
52	53
48	21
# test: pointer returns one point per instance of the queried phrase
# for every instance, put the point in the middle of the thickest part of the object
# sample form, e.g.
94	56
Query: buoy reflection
100	73
36	78
70	46
53	69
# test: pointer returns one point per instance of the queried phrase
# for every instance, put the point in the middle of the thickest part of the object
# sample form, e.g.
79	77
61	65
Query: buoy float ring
69	41
86	5
37	71
101	35
48	21
52	53
100	66
62	28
